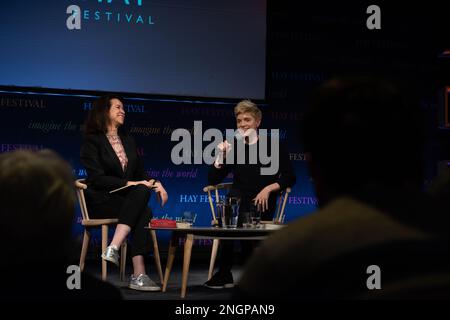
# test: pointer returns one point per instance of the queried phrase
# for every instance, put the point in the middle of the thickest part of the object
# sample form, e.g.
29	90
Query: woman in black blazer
110	157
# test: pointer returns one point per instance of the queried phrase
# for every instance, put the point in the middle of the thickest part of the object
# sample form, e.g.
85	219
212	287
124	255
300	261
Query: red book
163	223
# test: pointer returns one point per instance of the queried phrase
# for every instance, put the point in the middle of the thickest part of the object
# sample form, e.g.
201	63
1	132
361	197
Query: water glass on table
229	212
246	219
255	216
188	218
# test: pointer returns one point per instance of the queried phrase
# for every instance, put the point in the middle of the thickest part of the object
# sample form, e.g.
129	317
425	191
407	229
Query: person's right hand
146	183
224	148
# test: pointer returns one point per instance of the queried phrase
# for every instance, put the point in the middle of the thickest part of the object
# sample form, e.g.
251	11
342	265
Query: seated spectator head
38	205
361	132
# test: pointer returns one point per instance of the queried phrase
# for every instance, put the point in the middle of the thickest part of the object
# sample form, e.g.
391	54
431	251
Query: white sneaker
143	282
111	255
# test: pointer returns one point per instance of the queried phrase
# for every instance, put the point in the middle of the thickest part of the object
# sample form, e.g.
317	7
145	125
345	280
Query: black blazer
104	171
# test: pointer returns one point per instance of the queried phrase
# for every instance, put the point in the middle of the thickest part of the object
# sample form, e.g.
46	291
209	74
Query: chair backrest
282	198
215	189
80	186
279	213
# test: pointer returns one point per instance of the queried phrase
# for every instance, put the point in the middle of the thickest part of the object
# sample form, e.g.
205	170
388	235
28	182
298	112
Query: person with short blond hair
247	106
250	184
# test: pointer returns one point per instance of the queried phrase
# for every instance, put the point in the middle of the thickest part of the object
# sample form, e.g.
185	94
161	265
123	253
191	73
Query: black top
247	178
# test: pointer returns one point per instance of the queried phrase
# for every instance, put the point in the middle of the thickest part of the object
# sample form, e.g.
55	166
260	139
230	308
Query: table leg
156	255
186	260
170	258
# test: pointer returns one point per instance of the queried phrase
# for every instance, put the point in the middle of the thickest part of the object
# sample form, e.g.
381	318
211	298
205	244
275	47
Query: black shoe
220	281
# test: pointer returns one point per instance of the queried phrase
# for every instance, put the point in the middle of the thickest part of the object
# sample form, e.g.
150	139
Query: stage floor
195	290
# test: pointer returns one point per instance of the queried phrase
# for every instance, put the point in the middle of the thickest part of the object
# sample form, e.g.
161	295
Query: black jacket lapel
113	155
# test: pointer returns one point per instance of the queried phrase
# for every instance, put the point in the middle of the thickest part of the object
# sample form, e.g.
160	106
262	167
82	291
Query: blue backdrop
37	121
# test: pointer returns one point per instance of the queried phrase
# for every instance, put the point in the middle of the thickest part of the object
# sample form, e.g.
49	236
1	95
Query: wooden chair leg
156	255
123	260
186	261
86	238
215	245
104	245
170	258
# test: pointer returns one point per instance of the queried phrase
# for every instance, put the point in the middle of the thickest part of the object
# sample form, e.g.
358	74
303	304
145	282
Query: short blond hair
247	106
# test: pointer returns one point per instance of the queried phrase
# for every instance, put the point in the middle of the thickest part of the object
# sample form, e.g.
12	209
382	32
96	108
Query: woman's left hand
161	193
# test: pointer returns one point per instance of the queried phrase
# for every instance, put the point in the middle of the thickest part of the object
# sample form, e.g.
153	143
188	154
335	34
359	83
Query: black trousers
130	207
227	248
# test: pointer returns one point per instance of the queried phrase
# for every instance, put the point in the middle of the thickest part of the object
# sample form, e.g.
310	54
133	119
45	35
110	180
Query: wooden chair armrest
225	185
80	185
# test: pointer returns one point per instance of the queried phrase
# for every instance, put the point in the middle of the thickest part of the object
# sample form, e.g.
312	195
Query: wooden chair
279	216
104	224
